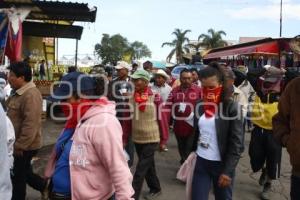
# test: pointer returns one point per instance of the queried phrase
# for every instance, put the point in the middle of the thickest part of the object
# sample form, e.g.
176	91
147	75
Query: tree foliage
178	44
213	39
114	48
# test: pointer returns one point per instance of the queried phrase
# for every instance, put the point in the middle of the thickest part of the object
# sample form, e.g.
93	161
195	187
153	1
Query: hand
224	181
18	152
283	70
163	148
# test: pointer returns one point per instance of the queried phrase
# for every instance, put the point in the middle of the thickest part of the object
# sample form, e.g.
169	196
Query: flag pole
280	33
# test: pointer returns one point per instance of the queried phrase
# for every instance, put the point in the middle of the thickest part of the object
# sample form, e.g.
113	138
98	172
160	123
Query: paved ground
246	184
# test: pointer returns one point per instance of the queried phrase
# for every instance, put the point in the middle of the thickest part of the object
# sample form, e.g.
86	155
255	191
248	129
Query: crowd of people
109	119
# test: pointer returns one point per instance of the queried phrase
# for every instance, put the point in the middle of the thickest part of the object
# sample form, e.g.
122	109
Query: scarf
78	109
212	98
141	99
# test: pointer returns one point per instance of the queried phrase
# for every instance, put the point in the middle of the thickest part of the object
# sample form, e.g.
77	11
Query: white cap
123	65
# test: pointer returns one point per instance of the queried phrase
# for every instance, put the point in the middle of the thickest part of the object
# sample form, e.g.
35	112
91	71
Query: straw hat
162	73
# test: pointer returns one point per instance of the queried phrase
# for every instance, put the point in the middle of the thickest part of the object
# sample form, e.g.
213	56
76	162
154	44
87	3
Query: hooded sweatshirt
5	182
98	167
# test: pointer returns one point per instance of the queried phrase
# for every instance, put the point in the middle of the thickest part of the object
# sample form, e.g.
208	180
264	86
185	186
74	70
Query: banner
3	35
13	48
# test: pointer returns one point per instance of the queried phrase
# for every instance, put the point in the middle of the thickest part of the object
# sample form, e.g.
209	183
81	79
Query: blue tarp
3	34
159	64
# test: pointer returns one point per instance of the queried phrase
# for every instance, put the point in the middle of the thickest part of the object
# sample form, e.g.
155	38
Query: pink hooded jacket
98	167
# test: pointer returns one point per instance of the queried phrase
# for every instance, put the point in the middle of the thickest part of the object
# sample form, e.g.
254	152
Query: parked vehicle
176	71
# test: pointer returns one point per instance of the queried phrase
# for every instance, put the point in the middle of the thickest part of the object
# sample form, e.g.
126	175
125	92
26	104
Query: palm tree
196	46
179	45
213	39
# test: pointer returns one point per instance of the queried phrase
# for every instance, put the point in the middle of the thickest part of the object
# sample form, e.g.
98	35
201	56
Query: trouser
185	145
145	169
243	137
130	150
264	149
42	76
22	174
295	186
57	196
207	173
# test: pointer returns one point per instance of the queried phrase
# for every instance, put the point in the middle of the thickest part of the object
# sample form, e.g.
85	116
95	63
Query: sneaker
266	193
152	195
263	177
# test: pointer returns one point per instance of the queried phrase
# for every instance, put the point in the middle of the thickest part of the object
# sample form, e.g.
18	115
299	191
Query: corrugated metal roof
54	10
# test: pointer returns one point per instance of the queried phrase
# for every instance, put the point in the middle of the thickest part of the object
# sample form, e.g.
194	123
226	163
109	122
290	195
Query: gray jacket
5	182
230	134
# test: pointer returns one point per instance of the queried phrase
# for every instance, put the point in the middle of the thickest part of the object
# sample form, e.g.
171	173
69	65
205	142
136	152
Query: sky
153	21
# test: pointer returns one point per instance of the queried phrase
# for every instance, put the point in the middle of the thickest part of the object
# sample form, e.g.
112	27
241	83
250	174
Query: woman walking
88	160
218	139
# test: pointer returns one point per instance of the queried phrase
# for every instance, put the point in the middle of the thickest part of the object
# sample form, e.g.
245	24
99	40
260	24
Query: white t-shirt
208	134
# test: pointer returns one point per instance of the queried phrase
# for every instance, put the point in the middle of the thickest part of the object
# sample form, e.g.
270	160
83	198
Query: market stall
29	29
279	52
43	23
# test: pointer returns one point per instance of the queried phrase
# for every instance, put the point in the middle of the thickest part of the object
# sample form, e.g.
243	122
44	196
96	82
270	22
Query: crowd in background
110	116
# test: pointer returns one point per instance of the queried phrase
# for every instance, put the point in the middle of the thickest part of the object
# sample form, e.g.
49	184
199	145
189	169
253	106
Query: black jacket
230	134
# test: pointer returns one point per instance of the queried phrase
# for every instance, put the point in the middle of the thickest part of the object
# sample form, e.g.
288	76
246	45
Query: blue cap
74	81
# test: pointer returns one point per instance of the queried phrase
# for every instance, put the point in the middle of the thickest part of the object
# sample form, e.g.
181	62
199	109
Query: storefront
282	52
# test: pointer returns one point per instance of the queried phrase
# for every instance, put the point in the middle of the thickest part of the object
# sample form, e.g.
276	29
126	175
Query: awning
52	30
54	10
270	48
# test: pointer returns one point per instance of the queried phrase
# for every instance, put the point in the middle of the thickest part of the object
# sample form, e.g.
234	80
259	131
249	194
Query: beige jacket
239	97
24	109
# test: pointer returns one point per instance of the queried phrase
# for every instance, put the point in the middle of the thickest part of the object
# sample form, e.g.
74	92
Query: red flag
13	48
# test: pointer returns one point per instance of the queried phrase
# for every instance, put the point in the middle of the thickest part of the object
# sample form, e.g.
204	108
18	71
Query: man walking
5	182
118	91
286	129
148	127
24	108
42	70
160	85
182	100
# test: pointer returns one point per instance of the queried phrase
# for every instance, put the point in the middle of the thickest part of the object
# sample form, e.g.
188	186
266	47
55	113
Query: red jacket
162	119
188	96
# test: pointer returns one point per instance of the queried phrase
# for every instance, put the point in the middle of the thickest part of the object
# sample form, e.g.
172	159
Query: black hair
72	69
185	70
148	62
100	83
194	70
21	69
215	69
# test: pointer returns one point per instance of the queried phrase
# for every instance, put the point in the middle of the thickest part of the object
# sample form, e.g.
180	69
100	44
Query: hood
102	105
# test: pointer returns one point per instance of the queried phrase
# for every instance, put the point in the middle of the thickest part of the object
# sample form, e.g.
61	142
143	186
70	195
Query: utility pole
280	33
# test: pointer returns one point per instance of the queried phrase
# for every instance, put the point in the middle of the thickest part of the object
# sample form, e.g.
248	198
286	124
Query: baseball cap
74	81
141	74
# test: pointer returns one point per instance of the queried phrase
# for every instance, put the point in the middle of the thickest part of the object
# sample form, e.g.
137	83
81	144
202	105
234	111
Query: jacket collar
236	90
26	87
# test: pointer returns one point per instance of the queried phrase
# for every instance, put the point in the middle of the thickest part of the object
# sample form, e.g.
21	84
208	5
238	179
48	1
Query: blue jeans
205	173
295	185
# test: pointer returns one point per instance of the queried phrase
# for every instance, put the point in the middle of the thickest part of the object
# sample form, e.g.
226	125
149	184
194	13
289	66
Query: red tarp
266	48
